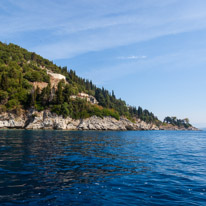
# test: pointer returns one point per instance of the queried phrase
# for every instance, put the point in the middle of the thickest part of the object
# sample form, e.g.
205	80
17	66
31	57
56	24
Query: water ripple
102	168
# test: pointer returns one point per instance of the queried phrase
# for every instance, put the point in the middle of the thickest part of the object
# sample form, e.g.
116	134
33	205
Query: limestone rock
33	119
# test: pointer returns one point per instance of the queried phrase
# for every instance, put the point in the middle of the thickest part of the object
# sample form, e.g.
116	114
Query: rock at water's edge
46	120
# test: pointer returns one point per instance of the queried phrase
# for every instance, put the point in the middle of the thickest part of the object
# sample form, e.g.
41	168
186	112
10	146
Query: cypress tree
59	93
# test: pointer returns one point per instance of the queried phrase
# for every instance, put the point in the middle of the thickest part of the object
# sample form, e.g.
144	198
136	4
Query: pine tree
4	81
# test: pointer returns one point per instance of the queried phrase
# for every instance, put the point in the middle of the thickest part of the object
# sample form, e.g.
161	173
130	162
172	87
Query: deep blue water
102	168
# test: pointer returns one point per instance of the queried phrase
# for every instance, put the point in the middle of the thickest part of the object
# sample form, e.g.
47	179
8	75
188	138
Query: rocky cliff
28	80
33	119
46	120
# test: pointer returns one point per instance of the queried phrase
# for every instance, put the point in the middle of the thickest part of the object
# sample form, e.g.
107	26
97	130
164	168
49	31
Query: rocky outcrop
56	75
172	127
41	85
46	120
8	120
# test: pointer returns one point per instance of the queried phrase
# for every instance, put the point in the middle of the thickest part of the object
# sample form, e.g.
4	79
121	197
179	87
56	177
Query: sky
152	53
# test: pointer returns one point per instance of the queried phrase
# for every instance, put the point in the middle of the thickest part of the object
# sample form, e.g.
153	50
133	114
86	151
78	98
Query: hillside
28	81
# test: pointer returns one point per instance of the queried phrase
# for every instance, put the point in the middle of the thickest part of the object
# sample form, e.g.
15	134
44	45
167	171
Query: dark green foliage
44	97
59	93
3	97
19	68
4	81
36	76
12	104
144	115
177	122
81	109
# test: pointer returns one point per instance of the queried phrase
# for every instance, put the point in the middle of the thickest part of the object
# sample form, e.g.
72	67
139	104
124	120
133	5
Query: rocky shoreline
46	120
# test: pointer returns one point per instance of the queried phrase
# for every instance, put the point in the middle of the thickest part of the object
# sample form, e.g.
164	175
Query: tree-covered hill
20	68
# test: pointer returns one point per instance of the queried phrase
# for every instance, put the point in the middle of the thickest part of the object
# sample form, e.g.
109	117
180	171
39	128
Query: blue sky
152	53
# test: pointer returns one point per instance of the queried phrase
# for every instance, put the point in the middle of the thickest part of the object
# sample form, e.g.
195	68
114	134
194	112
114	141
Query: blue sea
102	168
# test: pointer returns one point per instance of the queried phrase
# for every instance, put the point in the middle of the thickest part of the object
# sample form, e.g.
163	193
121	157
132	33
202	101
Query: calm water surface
102	168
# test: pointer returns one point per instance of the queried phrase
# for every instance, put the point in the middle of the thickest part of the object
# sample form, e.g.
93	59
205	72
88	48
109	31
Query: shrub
3	97
12	104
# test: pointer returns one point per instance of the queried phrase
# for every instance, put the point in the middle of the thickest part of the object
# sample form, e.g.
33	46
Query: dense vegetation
19	68
177	122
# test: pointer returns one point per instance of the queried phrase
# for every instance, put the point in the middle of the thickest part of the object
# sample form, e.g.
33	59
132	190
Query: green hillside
19	68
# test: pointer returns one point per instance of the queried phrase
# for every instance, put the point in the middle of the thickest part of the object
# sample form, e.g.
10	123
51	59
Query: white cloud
181	60
73	28
131	57
99	32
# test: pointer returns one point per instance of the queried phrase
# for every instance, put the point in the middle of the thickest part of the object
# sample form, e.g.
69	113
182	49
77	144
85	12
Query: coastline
45	120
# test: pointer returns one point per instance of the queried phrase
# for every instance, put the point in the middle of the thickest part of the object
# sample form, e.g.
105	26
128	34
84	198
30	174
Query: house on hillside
89	98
